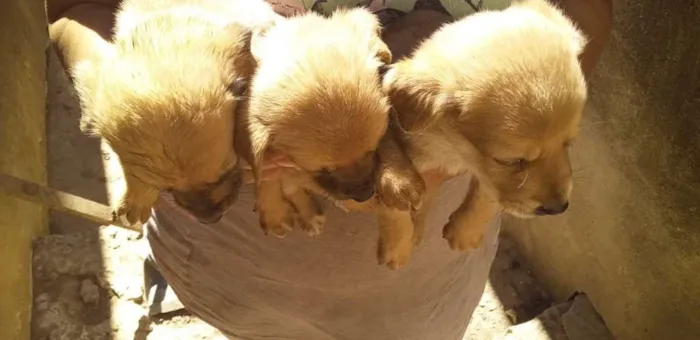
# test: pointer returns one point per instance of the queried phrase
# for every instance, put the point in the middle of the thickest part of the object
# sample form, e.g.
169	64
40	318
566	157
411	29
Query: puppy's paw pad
279	229
396	256
463	245
395	261
417	240
464	240
314	226
134	213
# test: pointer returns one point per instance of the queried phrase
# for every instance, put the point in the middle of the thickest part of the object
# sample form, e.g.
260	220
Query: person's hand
274	165
595	19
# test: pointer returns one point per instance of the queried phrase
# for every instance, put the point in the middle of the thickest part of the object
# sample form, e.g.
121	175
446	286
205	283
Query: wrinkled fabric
255	287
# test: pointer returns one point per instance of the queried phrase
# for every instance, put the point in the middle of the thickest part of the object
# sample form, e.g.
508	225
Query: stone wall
632	237
24	38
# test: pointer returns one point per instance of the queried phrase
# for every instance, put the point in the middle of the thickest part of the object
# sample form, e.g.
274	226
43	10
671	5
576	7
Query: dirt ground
88	281
88	285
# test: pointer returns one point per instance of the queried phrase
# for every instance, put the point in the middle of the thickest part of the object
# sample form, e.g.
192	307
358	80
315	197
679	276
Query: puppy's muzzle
363	194
552	208
359	191
210	219
206	216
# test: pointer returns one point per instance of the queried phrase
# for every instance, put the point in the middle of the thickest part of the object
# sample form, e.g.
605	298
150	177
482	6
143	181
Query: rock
582	321
41	302
89	292
575	319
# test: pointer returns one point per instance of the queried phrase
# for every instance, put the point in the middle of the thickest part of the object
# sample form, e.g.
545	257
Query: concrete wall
23	41
632	237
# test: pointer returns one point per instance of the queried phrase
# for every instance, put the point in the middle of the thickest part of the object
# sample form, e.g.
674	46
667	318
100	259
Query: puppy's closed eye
515	163
238	87
325	171
383	69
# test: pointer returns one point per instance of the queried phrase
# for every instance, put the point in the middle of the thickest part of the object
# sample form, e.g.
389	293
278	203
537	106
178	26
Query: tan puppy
165	101
498	94
317	98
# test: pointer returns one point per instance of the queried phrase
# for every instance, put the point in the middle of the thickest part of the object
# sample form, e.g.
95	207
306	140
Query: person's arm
594	18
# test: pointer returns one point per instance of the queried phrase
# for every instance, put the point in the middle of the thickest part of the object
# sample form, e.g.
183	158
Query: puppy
317	98
499	94
165	101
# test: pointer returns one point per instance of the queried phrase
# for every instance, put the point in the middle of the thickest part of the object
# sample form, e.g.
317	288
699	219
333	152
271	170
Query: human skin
81	29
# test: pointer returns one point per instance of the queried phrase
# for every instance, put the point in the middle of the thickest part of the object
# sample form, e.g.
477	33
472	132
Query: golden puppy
498	94
165	101
317	98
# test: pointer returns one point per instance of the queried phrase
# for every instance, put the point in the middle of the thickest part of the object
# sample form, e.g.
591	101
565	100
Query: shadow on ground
69	282
88	280
530	311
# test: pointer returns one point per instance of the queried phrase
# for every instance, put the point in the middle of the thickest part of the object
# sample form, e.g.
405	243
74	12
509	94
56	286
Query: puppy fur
317	98
499	94
165	99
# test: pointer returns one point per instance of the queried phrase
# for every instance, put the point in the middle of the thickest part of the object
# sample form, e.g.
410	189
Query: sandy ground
88	280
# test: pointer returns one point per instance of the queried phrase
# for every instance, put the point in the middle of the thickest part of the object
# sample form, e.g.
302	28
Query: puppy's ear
383	52
260	142
258	44
554	13
419	101
578	40
235	44
251	140
85	78
362	19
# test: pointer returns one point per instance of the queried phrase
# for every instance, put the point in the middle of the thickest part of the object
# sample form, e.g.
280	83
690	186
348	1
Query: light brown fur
498	94
165	101
317	98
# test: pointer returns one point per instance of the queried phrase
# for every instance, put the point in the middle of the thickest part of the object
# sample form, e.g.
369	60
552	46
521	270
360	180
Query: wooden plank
60	201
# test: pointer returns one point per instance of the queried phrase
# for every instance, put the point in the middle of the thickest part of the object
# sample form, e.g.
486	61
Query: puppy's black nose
552	209
362	195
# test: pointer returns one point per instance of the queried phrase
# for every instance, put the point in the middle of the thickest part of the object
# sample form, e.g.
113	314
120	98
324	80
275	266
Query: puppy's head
317	98
508	84
165	102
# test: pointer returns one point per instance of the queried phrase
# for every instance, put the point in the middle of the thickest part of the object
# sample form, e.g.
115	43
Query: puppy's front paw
309	208
462	238
277	214
134	210
278	222
136	202
314	225
401	189
395	253
417	239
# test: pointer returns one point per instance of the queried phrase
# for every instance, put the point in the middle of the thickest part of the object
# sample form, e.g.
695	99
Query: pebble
89	292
